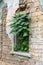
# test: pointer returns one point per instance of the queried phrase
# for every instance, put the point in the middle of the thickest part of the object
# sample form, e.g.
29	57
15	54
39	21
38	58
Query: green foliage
20	27
16	48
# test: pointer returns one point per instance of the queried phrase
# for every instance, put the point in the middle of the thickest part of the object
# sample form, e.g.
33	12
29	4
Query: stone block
36	4
28	1
36	58
40	17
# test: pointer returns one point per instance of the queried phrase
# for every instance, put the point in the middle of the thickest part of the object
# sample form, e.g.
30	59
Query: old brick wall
36	38
7	46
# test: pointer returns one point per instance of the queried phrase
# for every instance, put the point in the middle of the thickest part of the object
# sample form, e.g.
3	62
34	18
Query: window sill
24	54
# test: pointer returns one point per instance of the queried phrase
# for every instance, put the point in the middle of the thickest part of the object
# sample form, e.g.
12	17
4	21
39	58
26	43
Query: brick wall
36	38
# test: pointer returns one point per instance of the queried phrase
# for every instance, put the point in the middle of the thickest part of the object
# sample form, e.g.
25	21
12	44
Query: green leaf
16	48
12	25
29	29
19	22
21	17
26	49
25	34
20	27
27	23
25	43
20	30
22	48
28	17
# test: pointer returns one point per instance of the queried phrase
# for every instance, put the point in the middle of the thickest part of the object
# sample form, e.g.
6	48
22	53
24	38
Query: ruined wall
36	38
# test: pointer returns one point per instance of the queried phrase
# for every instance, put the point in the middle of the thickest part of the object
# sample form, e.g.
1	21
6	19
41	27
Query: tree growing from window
20	27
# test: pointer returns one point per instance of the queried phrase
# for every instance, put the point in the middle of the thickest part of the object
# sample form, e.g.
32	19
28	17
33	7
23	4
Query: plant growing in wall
20	27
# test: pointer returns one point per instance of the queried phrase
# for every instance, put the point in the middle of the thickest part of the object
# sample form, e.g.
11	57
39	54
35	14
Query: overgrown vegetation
20	27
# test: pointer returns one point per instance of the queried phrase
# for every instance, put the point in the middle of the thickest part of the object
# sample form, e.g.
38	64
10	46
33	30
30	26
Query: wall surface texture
36	36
